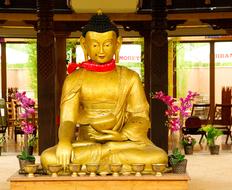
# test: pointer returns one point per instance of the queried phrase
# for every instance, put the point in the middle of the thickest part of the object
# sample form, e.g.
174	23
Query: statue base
145	182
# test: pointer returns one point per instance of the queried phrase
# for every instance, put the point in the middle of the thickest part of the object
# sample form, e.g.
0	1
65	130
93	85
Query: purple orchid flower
27	105
27	127
175	110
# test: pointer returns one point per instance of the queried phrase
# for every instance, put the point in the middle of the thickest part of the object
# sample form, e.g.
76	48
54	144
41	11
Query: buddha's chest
100	87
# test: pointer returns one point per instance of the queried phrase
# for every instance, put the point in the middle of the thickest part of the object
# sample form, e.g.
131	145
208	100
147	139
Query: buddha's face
100	47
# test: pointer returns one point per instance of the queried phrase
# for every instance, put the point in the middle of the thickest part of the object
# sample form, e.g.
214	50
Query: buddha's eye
95	45
107	44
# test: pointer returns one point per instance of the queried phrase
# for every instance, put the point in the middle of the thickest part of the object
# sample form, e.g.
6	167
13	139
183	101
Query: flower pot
214	149
188	149
23	163
180	167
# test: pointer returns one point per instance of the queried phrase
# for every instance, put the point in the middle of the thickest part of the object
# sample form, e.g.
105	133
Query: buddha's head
100	39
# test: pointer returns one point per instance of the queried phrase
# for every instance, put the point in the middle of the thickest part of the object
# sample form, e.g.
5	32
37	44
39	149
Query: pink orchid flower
28	112
175	110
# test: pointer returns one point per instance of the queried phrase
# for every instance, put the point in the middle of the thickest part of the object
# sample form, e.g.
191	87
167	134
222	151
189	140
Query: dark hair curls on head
100	23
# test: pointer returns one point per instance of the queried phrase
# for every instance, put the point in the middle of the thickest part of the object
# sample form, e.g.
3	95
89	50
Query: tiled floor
207	172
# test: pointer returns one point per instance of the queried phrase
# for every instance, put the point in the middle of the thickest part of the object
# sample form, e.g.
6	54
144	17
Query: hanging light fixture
168	2
7	2
90	6
207	2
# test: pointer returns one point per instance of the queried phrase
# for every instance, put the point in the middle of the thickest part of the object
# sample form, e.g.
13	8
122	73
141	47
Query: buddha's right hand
63	153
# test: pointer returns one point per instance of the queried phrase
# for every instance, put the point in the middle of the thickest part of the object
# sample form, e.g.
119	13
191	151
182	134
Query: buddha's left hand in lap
108	135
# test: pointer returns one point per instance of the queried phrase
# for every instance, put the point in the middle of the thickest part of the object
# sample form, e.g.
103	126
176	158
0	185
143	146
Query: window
223	68
21	61
192	69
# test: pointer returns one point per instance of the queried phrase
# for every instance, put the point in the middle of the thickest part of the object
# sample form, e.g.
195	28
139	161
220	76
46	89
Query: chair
3	117
202	111
192	126
10	119
17	123
222	119
13	119
199	116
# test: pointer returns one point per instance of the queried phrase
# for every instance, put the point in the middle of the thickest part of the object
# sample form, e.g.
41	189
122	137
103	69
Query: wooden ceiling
198	17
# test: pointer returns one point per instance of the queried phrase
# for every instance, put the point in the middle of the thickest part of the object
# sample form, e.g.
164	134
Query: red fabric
92	66
72	67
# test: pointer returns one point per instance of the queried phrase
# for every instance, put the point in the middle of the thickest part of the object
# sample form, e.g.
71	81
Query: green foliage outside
183	66
71	44
32	66
30	49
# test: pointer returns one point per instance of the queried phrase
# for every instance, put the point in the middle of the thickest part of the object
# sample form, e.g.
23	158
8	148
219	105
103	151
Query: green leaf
25	156
212	134
176	156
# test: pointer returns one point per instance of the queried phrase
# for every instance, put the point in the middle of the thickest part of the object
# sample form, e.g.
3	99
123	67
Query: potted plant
188	143
2	141
28	127
211	136
177	161
177	111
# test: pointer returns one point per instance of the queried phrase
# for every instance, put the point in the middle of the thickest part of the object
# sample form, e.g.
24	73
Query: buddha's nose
101	50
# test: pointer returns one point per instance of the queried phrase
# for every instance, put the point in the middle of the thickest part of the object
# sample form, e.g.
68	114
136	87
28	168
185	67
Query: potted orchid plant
27	126
177	111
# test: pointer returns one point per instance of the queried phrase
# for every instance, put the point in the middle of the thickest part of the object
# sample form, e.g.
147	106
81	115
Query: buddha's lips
92	66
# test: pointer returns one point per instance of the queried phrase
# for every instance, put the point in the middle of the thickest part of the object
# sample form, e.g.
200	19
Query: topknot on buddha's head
100	23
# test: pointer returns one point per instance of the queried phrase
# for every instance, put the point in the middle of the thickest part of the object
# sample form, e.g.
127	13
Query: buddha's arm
69	108
138	113
136	129
68	116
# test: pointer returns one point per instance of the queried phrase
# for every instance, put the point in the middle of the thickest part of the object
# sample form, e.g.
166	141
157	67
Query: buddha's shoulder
74	76
126	71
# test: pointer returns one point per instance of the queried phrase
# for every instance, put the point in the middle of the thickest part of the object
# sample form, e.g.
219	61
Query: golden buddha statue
107	103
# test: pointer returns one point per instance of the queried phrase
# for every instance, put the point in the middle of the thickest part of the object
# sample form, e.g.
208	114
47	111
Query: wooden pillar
46	71
3	69
147	77
61	67
159	72
212	79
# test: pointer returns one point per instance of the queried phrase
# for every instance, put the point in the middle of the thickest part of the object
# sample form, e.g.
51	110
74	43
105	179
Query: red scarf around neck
92	66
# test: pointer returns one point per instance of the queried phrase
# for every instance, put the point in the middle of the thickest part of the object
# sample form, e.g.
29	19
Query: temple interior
175	47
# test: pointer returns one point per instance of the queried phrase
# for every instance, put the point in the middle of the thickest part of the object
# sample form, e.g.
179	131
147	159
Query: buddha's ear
119	43
83	46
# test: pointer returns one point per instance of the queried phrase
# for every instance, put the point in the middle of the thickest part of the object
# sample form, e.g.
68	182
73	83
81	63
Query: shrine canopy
119	6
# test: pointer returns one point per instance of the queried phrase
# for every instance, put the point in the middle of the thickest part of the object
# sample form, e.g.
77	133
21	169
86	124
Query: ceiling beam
118	17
